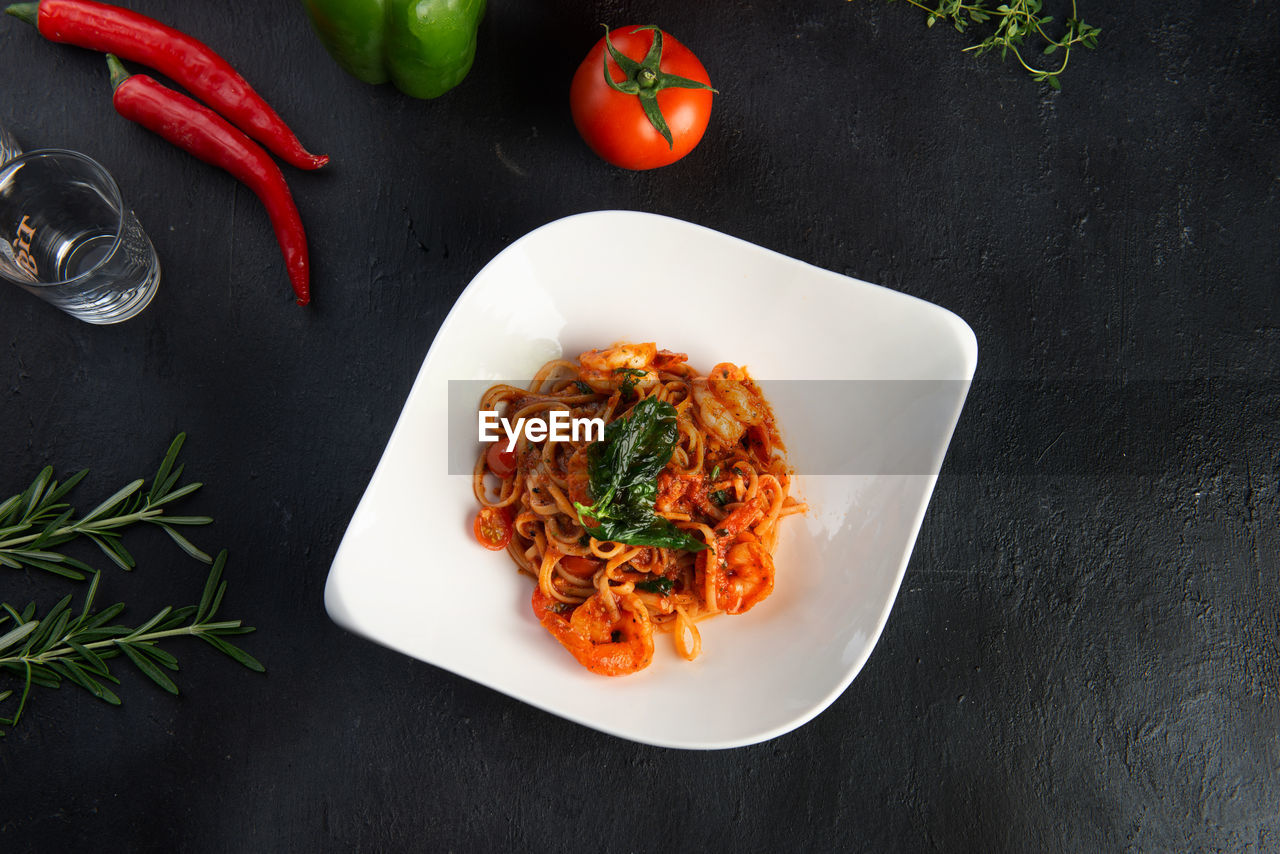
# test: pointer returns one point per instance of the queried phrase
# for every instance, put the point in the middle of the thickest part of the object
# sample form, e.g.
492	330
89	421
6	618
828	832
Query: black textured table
1085	652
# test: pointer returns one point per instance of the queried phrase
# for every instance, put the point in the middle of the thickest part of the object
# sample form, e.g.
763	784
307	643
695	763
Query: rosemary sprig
45	651
1014	22
37	520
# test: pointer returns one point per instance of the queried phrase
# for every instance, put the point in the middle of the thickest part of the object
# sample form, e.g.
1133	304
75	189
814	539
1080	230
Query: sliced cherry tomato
501	461
582	567
665	88
493	528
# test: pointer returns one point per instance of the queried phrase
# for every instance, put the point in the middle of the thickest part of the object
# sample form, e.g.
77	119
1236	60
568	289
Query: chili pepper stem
28	12
119	73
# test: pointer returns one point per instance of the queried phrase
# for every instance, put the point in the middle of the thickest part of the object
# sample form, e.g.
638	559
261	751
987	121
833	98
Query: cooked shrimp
608	642
738	521
744	577
727	404
669	361
606	370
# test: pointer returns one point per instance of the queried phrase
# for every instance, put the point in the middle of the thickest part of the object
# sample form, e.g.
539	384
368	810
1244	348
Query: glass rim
112	187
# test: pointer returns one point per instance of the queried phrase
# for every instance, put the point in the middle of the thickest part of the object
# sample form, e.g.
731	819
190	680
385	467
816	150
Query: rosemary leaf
161	656
147	626
6	507
92	661
148	667
17	634
234	651
69	484
104	616
186	545
76	646
210	586
116	499
37	520
166	464
44	677
54	567
181	492
177	617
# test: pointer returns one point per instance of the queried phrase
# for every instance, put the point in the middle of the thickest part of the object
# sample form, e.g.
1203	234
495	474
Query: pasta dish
668	514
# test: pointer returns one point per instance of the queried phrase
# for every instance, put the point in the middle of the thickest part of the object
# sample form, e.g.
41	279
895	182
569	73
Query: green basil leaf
623	469
660	585
652	531
635	448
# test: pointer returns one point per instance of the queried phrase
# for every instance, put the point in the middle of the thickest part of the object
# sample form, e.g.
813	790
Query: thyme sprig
1014	22
43	651
37	520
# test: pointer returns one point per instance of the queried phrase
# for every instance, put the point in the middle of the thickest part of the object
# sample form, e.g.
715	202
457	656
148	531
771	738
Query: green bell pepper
424	47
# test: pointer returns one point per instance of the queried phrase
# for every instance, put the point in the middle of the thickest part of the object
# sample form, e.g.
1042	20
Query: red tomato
492	528
501	461
614	123
582	567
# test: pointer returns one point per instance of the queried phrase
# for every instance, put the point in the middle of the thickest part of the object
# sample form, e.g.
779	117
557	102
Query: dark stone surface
1085	652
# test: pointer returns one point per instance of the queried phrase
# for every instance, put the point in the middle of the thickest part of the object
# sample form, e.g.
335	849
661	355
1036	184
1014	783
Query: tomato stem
645	79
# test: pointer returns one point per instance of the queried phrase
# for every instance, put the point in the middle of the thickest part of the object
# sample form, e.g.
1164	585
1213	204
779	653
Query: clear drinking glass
9	147
67	237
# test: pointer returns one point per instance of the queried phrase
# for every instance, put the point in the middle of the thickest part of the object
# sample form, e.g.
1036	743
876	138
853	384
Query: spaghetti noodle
615	559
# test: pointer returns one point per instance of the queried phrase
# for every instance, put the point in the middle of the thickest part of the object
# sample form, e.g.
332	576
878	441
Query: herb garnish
623	473
583	388
660	585
60	645
631	377
1015	20
44	651
36	520
720	497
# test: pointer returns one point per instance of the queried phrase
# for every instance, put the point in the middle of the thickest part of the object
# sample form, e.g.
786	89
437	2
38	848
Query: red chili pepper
200	131
188	62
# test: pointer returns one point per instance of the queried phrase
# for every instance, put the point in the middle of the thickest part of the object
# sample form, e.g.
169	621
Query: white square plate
410	575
